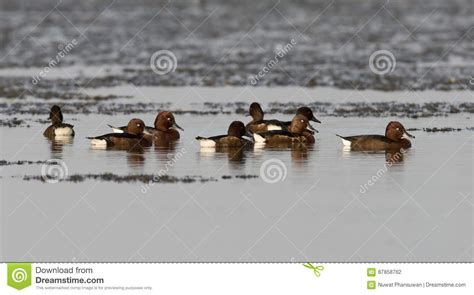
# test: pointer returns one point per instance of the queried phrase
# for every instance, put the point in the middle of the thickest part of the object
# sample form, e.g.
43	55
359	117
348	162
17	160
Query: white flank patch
63	131
207	143
273	127
258	138
116	130
99	142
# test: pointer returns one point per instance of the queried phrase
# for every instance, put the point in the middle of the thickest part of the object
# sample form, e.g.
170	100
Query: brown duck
396	137
233	138
58	128
258	124
296	133
134	137
174	134
164	128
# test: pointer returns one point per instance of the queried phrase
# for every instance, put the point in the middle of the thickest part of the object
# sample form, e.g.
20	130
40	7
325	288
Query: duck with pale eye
165	128
162	123
58	128
258	124
233	138
133	138
396	137
296	133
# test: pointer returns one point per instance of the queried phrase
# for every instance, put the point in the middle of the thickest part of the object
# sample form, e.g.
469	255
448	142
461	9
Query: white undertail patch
258	138
346	143
98	142
207	143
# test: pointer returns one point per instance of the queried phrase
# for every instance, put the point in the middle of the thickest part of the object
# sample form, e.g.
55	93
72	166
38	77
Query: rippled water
327	204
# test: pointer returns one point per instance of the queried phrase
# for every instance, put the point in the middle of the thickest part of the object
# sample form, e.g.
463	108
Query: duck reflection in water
135	158
299	151
235	155
57	143
395	156
164	146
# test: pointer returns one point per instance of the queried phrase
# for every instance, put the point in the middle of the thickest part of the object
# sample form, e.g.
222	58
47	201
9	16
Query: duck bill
315	120
407	135
177	126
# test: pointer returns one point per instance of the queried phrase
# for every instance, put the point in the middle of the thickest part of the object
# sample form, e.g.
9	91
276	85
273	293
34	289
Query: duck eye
169	119
302	121
398	129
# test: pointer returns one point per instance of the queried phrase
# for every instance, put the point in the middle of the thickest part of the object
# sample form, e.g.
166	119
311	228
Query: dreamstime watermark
273	171
163	62
54	170
382	62
280	52
173	159
394	158
63	51
19	275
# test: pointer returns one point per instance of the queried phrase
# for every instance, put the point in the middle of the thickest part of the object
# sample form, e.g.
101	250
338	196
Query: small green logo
19	275
371	285
371	272
316	269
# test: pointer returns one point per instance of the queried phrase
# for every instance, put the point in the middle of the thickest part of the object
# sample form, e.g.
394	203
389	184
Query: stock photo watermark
273	171
173	159
163	62
382	62
54	170
53	63
280	52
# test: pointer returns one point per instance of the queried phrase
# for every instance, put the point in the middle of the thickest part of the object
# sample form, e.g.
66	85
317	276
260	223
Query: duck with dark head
133	138
162	124
165	128
57	127
258	124
296	133
233	138
396	137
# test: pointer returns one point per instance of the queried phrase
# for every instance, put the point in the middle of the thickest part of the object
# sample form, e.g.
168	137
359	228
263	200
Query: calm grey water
419	209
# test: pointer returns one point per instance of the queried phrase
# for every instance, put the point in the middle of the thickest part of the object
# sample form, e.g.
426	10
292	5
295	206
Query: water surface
323	208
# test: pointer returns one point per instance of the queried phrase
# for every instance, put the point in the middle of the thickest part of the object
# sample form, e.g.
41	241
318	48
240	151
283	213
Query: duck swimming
396	137
58	128
150	130
164	127
258	124
296	133
233	138
134	137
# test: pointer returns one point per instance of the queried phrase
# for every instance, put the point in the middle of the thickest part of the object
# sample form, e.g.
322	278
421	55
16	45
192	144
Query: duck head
299	124
55	115
236	129
164	121
135	126
395	131
308	113
256	111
